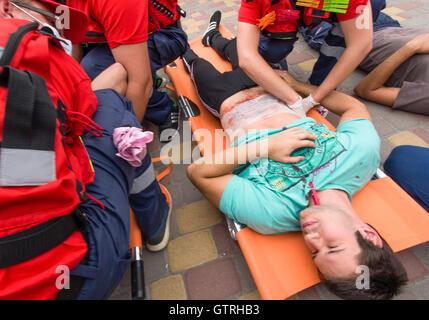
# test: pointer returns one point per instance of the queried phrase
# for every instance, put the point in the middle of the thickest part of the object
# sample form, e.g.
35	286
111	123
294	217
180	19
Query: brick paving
201	260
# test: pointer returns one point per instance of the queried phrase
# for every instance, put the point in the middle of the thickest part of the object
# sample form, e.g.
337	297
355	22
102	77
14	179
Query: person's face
16	13
330	235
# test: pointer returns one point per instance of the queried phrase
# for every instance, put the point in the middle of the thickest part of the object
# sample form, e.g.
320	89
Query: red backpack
42	179
163	13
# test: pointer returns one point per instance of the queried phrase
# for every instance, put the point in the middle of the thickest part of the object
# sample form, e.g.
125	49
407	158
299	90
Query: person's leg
212	86
150	207
207	80
272	50
212	28
115	179
407	166
97	60
376	7
159	107
275	50
164	46
226	48
108	228
331	50
159	104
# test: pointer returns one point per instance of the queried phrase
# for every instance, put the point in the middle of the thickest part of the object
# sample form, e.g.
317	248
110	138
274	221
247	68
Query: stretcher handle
137	267
137	275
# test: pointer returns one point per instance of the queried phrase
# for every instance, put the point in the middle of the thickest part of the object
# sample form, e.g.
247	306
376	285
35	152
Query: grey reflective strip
20	167
1	51
336	30
142	182
333	51
329	51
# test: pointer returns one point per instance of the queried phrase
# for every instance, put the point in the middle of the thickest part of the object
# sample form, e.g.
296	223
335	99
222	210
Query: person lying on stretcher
264	180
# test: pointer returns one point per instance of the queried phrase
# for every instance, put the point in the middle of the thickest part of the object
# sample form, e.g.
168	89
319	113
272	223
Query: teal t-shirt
268	196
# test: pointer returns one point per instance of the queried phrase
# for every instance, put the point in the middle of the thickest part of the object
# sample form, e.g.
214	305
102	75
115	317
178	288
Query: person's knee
97	60
115	77
274	50
377	6
394	164
121	75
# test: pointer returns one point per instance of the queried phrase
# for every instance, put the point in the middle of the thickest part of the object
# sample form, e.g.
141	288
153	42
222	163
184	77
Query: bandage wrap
246	113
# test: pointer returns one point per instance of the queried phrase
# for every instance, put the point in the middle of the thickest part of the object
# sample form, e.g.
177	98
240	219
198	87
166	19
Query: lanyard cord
27	13
35	9
314	194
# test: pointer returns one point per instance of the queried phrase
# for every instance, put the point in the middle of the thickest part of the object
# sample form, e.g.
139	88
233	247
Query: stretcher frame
275	260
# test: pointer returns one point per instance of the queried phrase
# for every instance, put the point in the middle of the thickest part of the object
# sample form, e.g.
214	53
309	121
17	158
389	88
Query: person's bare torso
254	109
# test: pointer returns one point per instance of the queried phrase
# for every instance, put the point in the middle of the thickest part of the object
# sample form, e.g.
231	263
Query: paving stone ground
201	260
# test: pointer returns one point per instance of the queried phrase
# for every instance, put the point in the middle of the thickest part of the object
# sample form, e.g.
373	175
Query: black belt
289	35
30	243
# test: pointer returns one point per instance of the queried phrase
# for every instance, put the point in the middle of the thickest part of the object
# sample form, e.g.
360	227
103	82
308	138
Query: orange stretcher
281	265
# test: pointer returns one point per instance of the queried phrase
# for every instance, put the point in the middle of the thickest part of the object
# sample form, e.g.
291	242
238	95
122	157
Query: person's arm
343	105
135	59
370	88
212	173
257	68
125	25
358	38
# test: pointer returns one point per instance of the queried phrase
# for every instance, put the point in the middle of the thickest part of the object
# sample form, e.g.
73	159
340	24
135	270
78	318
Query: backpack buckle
81	219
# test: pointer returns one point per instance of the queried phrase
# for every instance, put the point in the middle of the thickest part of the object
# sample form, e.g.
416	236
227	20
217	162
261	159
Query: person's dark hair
386	274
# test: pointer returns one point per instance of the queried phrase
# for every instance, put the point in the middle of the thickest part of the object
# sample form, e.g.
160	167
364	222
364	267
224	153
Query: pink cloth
131	144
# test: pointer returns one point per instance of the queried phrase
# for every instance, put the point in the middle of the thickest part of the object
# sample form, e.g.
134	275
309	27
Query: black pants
212	86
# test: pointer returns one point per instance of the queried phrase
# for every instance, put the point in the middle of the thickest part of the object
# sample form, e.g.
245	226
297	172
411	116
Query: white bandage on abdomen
247	113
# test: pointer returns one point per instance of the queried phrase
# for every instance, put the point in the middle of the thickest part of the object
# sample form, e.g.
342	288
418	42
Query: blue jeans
275	50
408	167
165	46
117	185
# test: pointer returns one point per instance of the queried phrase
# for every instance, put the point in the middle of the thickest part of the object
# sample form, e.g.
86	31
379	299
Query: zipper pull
181	11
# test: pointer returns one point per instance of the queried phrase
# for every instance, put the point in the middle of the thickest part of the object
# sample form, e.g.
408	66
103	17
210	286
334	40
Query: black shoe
212	28
170	127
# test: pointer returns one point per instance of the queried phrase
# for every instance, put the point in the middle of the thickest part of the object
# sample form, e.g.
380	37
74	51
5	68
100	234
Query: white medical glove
297	107
309	103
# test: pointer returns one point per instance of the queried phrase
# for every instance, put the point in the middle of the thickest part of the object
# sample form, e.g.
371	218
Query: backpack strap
29	125
14	41
30	243
30	116
29	129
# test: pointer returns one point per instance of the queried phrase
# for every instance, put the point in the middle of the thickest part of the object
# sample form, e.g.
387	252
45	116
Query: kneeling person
65	225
